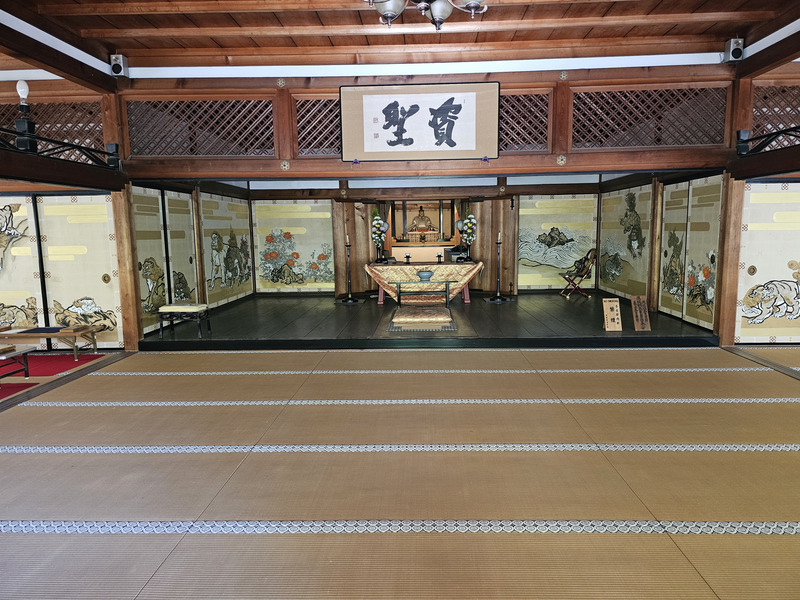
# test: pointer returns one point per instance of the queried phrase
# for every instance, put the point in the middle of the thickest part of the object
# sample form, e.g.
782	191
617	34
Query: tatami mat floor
540	474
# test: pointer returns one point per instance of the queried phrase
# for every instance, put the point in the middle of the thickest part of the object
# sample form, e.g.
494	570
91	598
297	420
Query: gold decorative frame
420	122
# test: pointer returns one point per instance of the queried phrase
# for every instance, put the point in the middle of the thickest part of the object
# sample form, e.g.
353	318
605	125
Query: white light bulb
23	90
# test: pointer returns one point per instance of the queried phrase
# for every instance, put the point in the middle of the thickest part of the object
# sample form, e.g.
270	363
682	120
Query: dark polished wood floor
542	319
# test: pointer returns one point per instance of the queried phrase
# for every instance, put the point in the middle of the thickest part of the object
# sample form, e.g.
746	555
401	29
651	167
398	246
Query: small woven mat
422	318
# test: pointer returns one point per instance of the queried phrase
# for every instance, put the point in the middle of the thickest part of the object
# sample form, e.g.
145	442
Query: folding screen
672	278
624	241
226	248
80	264
769	265
554	232
705	203
149	227
181	247
294	245
20	279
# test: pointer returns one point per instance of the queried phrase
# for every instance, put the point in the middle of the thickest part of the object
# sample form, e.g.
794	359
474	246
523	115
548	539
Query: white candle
347	239
498	237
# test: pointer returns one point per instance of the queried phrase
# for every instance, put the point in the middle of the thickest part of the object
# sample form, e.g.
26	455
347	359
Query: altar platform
532	320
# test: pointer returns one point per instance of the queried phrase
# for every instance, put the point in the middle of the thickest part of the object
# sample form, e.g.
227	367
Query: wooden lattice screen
523	122
774	109
646	118
79	123
201	128
318	127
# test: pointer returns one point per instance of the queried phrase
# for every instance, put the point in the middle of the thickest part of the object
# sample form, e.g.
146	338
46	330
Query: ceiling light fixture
436	11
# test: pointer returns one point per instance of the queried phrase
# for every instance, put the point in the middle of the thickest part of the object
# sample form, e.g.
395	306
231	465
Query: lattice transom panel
318	128
774	109
201	128
645	118
523	122
79	123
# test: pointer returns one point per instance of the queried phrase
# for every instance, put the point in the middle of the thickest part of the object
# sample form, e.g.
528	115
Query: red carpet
8	389
47	365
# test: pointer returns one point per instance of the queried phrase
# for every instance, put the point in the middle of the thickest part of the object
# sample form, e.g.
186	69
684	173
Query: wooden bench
79	338
15	356
184	312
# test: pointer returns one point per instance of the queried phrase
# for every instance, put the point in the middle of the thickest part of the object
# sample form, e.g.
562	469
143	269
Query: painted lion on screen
775	298
153	276
19	317
84	311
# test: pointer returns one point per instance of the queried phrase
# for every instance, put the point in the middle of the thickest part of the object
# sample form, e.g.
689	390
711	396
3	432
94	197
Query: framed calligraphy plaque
420	122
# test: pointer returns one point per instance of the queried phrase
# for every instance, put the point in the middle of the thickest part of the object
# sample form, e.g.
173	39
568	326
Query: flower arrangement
379	228
469	230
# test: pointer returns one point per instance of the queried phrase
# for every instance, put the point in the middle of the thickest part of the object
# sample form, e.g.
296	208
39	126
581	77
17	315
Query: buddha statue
421	222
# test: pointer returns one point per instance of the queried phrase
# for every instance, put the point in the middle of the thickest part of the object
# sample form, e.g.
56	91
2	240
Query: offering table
387	276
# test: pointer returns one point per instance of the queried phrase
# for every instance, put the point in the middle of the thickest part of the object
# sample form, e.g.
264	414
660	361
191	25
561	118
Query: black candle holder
497	298
349	299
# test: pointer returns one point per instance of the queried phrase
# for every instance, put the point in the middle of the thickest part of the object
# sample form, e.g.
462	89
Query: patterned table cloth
459	273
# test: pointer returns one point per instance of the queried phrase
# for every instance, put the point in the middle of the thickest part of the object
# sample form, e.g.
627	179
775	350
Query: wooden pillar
561	130
352	219
505	219
124	234
199	258
656	220
284	117
725	306
129	293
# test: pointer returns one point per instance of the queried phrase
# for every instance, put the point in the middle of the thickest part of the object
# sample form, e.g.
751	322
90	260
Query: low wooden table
18	356
183	312
79	339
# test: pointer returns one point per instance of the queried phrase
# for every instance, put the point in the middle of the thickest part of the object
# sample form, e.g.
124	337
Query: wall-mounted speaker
734	50
119	65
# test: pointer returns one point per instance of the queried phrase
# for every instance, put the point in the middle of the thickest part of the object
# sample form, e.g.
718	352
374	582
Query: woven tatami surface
460	474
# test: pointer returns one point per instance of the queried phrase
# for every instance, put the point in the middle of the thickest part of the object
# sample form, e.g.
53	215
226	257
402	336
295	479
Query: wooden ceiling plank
426	29
40	55
213	6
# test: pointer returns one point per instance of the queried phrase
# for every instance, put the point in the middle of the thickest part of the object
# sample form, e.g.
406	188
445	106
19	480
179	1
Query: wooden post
127	264
341	230
656	220
561	128
124	234
725	305
199	259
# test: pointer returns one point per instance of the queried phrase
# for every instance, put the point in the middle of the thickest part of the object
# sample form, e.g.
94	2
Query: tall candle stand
349	299
497	298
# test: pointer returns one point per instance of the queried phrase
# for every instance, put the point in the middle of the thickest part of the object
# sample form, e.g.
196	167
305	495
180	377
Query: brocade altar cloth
458	273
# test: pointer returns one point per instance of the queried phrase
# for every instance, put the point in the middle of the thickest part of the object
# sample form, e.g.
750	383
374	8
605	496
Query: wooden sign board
611	314
641	317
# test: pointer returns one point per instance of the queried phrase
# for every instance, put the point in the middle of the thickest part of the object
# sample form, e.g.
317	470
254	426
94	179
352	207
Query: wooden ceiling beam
314	55
422	28
770	58
41	55
25	13
242	6
41	169
333	168
764	164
